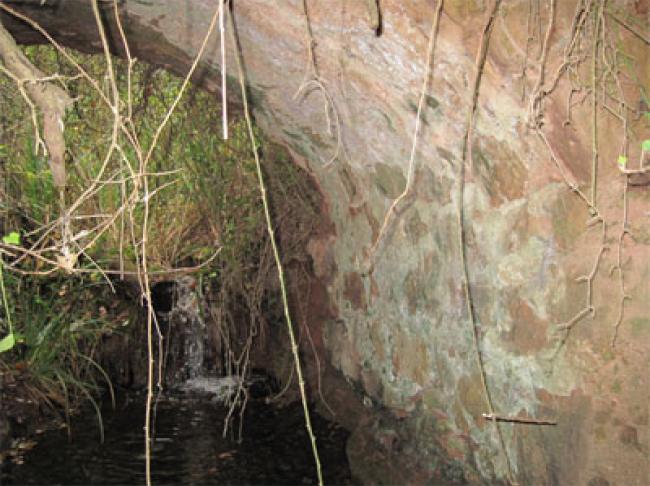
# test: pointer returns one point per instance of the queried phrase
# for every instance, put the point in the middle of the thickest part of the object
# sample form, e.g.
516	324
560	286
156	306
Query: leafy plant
202	194
9	340
56	329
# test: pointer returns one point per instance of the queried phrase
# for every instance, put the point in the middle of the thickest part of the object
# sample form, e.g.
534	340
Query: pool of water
188	447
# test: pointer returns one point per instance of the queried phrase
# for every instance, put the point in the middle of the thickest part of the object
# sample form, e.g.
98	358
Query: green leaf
645	145
622	161
12	238
7	342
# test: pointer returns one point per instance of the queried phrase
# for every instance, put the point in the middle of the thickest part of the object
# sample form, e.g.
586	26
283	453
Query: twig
564	172
312	77
568	60
589	308
418	121
166	273
645	39
304	325
594	106
337	123
643	170
224	97
619	267
276	254
518	420
612	69
462	243
534	109
181	91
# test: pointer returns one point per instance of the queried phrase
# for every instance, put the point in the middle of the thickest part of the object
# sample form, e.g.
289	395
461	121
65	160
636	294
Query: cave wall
401	335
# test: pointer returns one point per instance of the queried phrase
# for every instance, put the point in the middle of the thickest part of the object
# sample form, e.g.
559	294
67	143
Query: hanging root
51	100
462	241
276	253
375	16
313	79
405	197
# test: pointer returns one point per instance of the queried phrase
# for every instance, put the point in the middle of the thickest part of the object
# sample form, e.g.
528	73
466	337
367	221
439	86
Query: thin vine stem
462	237
274	246
426	82
5	302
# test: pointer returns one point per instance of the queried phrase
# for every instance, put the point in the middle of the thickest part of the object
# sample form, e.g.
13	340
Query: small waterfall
187	311
186	365
178	309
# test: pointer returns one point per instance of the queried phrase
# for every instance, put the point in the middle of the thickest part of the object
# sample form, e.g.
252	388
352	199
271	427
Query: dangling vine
590	40
481	57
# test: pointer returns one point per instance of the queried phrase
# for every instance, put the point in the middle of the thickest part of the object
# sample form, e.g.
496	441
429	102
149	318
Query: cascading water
178	312
182	319
187	311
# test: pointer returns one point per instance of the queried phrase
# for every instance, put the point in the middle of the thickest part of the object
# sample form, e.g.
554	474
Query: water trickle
178	309
221	389
188	309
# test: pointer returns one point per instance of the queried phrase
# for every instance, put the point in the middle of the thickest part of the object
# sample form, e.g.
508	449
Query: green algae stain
432	102
640	325
390	180
567	214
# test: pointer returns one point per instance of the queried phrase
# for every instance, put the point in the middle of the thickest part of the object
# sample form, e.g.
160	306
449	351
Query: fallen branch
51	100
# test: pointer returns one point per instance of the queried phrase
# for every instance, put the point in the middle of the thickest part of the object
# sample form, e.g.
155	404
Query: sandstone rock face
402	335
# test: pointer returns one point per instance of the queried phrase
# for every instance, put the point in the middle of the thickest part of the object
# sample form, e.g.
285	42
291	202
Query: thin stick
418	122
619	267
276	253
534	109
589	308
462	241
186	81
146	293
312	77
518	420
594	106
645	39
224	97
623	116
144	277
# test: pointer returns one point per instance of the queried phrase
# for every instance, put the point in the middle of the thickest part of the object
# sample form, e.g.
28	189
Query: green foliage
57	327
207	198
37	185
203	194
7	342
12	238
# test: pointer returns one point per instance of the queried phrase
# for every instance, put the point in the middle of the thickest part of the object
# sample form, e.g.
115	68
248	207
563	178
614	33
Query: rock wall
402	336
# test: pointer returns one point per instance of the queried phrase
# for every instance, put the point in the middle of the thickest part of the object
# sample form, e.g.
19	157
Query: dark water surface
188	448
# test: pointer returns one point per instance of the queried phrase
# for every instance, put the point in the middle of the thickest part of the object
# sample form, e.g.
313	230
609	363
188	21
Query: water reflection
188	448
